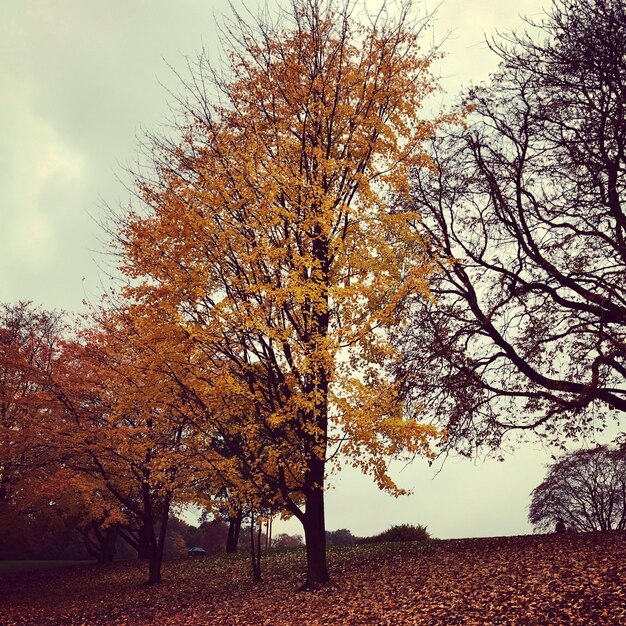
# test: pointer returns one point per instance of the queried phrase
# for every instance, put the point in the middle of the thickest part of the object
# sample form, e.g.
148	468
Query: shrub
403	532
341	537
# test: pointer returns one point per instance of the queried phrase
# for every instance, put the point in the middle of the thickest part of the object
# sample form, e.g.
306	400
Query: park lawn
531	580
31	564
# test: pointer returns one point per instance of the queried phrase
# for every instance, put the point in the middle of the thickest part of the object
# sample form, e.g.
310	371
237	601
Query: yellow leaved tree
270	233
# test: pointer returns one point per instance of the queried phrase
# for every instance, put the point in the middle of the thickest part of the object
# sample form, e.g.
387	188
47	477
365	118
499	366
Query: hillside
529	580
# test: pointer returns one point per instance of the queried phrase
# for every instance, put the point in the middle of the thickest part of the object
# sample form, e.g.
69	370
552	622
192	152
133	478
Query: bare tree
526	206
585	489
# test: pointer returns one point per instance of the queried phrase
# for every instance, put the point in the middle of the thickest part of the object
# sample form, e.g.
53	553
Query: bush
403	532
341	537
287	541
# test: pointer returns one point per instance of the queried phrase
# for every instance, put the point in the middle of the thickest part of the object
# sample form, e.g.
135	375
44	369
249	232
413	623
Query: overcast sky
79	81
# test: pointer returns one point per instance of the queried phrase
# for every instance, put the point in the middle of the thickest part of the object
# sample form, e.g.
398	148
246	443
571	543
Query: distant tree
584	489
527	329
180	537
211	535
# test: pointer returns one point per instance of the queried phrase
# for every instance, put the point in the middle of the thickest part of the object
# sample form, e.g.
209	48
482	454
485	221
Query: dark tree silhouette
526	206
584	489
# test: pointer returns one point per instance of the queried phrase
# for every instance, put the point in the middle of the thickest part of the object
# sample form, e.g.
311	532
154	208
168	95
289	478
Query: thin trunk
238	530
268	536
143	542
150	538
255	551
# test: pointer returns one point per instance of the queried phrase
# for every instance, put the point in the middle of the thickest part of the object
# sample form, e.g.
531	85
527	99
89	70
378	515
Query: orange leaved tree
134	426
269	235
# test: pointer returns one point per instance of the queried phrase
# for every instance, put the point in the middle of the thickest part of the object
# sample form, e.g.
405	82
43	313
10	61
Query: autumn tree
586	489
29	339
29	347
114	437
270	235
135	429
528	330
93	435
36	486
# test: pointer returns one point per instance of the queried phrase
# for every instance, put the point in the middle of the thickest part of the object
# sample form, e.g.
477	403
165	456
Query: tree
528	330
586	489
135	427
117	435
94	434
35	483
29	344
269	236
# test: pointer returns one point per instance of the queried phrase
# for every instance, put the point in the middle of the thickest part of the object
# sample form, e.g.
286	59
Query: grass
531	581
26	565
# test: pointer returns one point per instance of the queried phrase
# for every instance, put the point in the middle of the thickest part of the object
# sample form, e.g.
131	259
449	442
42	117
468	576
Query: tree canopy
269	238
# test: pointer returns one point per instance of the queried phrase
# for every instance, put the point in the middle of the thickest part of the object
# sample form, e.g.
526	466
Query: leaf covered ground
530	580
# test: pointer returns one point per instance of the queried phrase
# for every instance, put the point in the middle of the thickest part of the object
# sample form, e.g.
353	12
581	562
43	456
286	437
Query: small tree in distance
586	489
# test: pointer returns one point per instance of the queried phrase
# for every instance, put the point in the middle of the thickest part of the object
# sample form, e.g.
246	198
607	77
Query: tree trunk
268	537
255	551
313	520
315	530
154	563
157	543
154	569
148	537
102	545
143	542
234	527
108	543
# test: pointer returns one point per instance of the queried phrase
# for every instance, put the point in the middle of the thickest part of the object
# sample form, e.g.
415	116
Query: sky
80	83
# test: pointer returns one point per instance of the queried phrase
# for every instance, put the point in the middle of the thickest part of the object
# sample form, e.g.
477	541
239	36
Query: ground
16	566
532	580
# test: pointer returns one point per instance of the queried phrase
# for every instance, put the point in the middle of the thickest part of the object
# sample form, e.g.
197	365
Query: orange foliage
273	242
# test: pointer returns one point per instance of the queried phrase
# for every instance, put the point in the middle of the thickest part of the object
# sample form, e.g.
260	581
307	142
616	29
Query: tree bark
157	543
315	530
108	543
234	527
151	516
143	542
